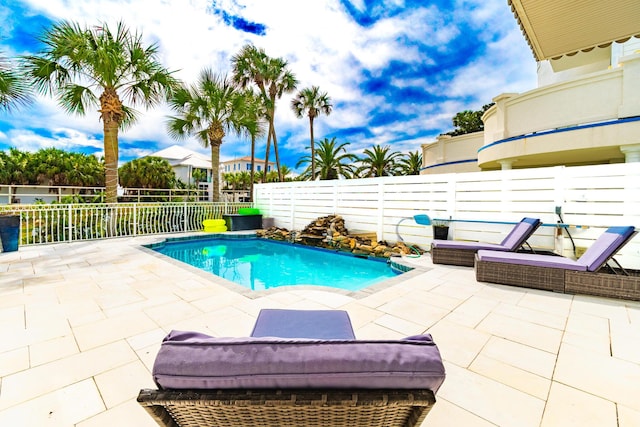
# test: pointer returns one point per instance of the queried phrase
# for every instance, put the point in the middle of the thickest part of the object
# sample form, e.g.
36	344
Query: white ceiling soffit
554	28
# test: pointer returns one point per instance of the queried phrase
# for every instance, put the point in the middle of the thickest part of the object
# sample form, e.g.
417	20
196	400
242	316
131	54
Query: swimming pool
260	264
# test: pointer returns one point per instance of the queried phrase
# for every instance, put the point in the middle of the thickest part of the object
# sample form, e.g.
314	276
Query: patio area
83	323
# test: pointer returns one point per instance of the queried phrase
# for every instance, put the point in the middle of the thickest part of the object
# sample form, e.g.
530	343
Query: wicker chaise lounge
550	272
463	253
266	381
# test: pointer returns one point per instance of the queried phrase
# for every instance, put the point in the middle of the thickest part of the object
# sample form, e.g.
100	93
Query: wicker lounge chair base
276	408
604	284
548	279
452	256
586	275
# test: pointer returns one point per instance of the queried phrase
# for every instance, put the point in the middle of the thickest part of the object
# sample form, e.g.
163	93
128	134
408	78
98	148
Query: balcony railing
40	224
27	194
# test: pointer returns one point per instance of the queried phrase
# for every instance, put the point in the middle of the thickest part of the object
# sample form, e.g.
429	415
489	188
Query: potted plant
9	231
440	229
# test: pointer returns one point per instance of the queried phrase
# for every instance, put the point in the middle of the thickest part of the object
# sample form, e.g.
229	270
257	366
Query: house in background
189	166
586	108
239	165
243	164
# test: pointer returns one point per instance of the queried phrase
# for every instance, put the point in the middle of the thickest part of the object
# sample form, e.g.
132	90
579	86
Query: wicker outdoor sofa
590	274
267	381
463	253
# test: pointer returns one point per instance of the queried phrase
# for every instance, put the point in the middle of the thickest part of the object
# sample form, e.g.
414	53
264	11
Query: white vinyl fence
482	205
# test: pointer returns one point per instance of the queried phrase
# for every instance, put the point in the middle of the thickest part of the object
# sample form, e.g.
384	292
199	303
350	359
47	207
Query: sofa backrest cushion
190	360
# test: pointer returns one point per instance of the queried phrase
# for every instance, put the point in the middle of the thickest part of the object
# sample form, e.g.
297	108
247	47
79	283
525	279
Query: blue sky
396	71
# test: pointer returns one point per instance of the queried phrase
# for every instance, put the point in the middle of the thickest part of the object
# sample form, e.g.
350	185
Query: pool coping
396	263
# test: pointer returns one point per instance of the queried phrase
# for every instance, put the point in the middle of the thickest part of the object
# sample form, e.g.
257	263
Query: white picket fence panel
591	198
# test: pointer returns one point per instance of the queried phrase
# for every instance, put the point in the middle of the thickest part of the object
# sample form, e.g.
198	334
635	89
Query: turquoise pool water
260	264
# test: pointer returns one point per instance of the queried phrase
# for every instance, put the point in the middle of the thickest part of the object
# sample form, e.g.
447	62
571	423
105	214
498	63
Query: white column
631	153
506	164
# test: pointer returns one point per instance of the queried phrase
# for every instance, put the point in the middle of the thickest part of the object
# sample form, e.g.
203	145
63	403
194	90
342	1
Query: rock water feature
330	232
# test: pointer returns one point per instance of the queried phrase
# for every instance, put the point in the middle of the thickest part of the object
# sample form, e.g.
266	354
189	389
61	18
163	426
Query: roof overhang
554	28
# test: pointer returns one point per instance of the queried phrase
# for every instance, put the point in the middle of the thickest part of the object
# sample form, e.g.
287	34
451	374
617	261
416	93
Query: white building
586	108
243	164
185	162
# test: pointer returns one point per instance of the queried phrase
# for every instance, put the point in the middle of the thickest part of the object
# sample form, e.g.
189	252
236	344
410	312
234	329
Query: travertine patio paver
82	323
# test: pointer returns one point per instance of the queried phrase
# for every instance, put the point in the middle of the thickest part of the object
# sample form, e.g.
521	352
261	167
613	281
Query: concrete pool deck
82	323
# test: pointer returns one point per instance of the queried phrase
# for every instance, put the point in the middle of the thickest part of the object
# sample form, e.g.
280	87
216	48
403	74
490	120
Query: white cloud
323	45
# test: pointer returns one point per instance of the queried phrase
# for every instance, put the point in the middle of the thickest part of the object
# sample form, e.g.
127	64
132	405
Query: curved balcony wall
452	154
592	119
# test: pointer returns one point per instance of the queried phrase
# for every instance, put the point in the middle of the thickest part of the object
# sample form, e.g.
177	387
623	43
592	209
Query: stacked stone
322	231
330	232
275	233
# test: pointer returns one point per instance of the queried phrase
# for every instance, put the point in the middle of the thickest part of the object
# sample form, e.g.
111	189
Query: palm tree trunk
253	166
215	166
110	128
266	153
313	153
275	150
111	114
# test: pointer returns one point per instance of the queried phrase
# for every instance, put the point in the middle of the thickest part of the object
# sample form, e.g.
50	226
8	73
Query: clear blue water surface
260	264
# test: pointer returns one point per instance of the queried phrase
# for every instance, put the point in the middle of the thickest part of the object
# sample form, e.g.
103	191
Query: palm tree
93	67
251	123
148	172
15	168
207	110
285	171
411	163
273	176
314	103
332	161
259	176
378	162
273	79
14	87
244	180
230	180
86	170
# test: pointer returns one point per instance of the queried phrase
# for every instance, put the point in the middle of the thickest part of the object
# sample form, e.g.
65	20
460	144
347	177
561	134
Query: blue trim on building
567	129
457	162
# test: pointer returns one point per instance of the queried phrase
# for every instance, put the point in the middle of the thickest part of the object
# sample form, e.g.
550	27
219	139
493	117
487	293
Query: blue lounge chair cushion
317	324
190	360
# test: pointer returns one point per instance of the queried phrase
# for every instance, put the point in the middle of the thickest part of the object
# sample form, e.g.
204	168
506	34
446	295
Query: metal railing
28	194
41	224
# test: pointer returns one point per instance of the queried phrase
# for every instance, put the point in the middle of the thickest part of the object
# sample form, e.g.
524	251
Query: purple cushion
517	236
605	247
189	360
535	260
318	324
